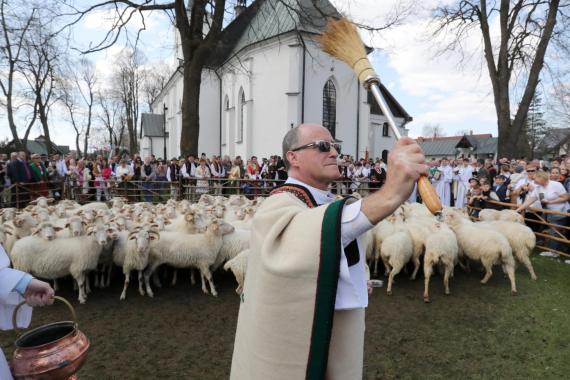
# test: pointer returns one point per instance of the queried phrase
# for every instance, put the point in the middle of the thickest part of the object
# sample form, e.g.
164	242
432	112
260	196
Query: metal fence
20	195
551	235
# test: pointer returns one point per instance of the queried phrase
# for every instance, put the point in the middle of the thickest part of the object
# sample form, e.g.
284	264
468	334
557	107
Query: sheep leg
416	267
141	283
376	264
156	278
193	277
511	275
427	275
205	272
151	270
55	286
80	279
526	261
97	273
395	270
174	276
109	270
488	265
87	283
127	278
387	267
446	275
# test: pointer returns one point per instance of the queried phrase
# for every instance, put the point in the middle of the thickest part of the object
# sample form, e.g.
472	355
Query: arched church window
385	128
329	107
241	115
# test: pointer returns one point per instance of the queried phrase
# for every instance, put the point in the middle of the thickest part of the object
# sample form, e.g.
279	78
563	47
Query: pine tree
535	125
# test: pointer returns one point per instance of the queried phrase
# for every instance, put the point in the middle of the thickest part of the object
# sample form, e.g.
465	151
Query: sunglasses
531	171
323	146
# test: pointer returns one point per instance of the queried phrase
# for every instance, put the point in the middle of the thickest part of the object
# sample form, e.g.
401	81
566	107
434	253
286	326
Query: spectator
218	173
202	174
3	183
555	174
173	176
235	176
552	196
377	177
161	169
501	188
124	173
39	175
147	176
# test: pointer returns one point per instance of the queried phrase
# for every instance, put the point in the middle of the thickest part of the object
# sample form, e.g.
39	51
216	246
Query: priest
443	182
302	307
462	175
16	286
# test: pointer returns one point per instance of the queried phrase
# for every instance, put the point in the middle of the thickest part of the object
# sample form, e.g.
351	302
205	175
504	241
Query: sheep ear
167	221
18	222
36	232
7	232
132	236
50	200
67	225
58	228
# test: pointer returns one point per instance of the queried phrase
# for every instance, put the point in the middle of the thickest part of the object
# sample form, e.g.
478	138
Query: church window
385	129
241	116
329	107
225	120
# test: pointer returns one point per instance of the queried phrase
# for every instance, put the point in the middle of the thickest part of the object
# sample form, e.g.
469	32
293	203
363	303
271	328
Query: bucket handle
66	302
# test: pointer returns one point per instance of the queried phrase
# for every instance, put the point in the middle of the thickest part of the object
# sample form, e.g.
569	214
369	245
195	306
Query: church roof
152	124
265	19
447	146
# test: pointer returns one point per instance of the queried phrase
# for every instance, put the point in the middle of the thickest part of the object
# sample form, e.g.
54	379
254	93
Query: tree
126	87
15	24
112	117
527	27
86	81
432	131
68	98
154	80
535	126
39	65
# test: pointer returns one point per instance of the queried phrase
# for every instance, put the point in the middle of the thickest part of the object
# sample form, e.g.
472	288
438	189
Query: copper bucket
55	351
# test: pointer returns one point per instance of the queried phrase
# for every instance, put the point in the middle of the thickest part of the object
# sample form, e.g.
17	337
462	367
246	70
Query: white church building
270	77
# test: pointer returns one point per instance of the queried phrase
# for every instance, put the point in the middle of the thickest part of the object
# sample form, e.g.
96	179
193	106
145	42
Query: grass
480	332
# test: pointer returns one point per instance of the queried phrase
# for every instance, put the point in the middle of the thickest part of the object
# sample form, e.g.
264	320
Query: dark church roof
265	19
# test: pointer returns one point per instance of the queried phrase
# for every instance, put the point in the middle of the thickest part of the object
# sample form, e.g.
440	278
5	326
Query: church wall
321	67
264	75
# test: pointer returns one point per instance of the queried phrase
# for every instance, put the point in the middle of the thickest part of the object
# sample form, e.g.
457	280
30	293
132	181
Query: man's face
499	181
311	162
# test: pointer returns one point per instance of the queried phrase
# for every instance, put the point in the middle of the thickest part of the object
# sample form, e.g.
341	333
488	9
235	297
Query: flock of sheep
86	242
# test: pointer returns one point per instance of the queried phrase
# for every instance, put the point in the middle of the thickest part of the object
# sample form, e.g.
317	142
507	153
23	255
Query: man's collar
321	196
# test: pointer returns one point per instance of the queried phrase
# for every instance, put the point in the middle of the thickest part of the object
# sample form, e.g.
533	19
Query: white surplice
462	178
443	185
9	299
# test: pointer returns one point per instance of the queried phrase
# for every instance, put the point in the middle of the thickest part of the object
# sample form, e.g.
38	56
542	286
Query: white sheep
74	256
238	266
131	252
184	251
520	237
482	244
397	249
441	248
488	215
8	214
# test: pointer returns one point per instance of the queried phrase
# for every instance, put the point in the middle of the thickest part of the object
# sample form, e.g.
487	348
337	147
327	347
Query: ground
479	332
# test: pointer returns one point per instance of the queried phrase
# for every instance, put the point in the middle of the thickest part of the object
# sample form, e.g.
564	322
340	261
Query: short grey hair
290	141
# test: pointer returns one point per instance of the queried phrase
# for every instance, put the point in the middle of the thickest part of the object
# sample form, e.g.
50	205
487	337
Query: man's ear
292	158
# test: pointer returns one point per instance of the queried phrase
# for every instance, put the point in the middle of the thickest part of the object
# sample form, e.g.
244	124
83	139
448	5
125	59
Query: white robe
462	178
443	185
9	299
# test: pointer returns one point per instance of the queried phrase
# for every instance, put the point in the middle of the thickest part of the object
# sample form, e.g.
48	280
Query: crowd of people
459	182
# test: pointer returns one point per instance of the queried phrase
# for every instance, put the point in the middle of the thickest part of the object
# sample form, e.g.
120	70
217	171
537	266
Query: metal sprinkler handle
372	84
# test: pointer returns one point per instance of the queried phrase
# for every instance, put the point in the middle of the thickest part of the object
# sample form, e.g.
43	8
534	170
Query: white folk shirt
352	289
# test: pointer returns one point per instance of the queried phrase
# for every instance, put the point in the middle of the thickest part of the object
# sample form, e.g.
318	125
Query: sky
433	89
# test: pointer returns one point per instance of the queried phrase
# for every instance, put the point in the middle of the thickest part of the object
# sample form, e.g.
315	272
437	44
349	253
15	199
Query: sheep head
46	231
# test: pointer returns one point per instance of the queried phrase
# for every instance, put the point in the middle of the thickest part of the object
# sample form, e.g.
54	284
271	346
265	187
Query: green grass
479	332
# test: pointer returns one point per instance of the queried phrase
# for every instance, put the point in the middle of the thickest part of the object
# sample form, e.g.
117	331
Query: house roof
152	124
265	19
447	146
554	138
39	145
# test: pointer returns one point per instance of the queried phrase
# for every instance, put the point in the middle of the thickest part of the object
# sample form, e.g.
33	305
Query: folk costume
11	282
302	308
